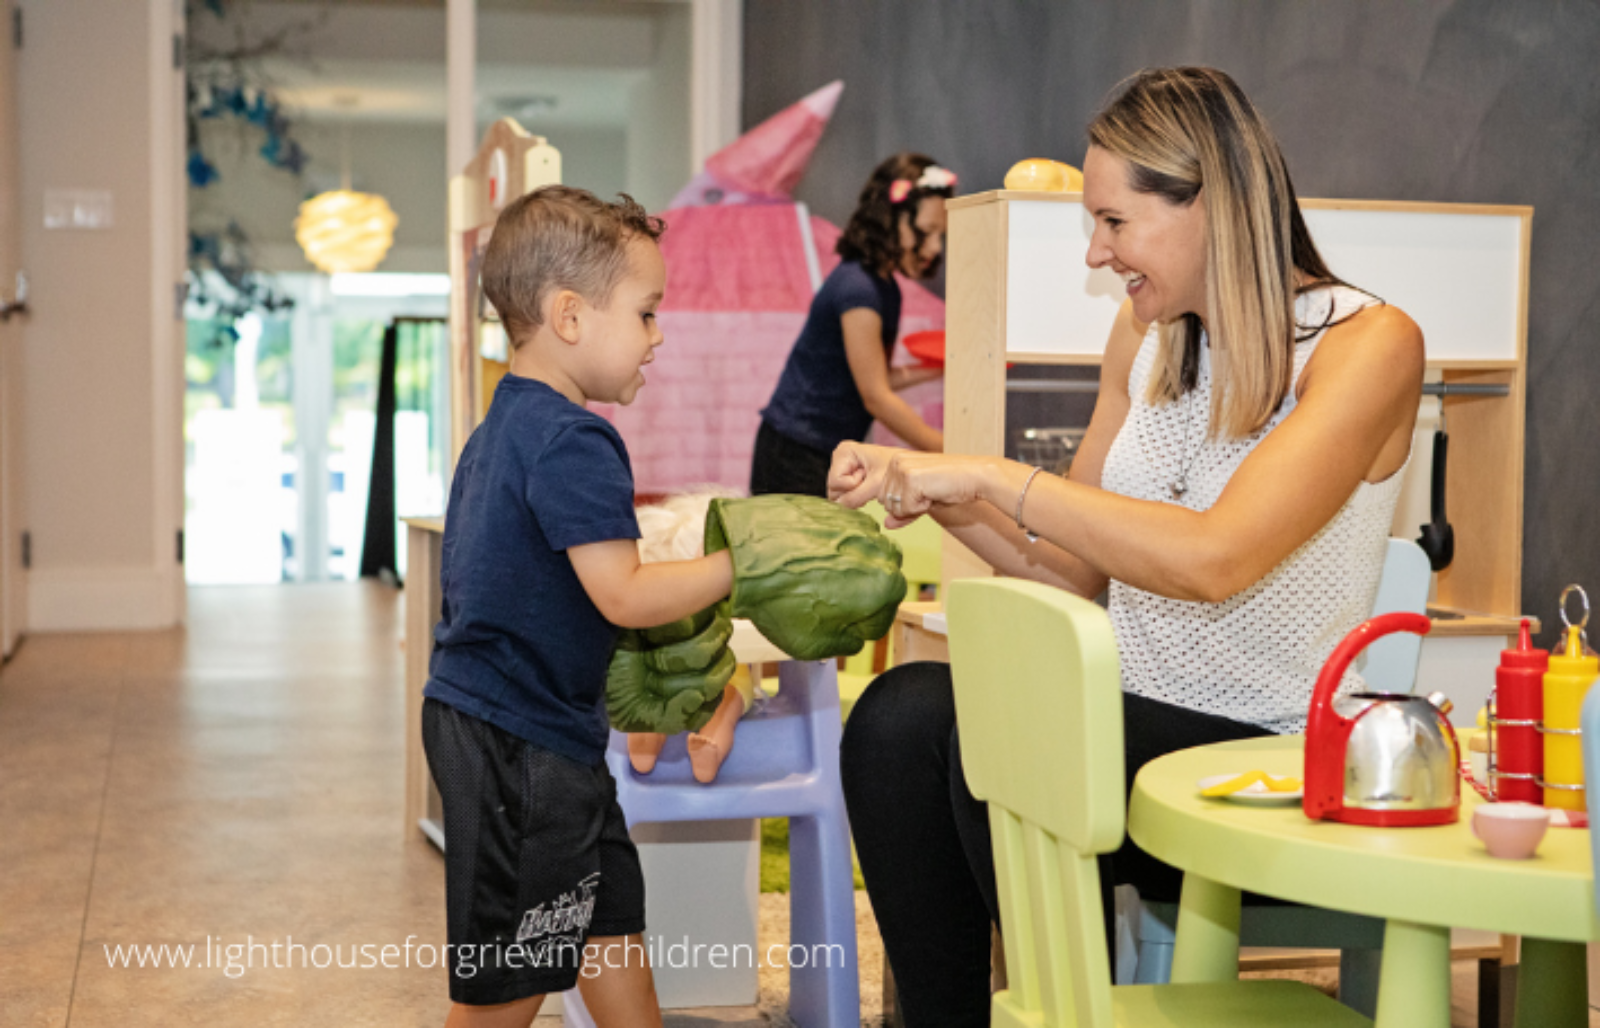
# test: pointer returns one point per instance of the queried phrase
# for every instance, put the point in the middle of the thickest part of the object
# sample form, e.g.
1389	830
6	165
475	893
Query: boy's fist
670	679
818	580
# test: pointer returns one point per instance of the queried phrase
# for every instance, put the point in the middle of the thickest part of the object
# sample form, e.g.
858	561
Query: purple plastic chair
785	763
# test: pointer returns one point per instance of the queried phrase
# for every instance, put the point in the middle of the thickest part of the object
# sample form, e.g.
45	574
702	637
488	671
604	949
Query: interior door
13	577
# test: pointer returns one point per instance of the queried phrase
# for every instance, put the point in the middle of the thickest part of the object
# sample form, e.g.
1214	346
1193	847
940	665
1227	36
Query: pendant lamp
342	230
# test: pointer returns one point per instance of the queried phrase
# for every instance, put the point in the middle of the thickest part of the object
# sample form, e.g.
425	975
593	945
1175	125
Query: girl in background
838	379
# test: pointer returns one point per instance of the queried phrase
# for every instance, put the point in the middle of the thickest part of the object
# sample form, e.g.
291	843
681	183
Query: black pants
923	840
782	465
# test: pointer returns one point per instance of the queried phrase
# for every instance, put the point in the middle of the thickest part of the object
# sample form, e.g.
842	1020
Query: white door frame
13	473
169	258
716	76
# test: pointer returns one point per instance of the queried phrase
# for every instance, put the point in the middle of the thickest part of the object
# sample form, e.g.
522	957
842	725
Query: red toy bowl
927	347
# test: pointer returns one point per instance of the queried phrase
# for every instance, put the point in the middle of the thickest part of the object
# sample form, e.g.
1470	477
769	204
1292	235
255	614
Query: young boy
540	567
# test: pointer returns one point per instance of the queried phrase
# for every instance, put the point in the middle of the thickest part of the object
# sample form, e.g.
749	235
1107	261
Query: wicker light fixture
342	230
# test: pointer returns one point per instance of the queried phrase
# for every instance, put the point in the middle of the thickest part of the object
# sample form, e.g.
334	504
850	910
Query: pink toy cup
1510	831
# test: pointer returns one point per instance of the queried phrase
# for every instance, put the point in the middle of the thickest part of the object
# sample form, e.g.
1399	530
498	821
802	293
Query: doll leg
643	749
710	746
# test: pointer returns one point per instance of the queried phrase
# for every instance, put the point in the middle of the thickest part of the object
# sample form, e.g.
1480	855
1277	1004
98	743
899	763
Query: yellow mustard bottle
1565	685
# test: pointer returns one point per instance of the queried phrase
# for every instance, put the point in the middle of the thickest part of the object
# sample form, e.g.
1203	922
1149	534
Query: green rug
775	856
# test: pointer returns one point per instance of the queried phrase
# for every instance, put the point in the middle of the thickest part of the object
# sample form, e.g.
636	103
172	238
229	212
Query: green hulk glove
670	679
818	580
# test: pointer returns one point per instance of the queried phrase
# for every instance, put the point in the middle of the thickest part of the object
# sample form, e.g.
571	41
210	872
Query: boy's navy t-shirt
816	401
520	644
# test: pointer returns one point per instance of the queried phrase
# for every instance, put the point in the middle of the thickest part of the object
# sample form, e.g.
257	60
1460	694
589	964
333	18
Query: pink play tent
743	260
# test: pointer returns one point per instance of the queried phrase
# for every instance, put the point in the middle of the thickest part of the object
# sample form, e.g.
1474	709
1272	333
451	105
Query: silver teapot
1386	759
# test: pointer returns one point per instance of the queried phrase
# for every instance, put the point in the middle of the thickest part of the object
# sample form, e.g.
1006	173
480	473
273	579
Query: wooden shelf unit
1019	291
509	163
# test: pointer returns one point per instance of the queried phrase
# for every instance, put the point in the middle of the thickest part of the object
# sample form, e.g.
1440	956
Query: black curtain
378	542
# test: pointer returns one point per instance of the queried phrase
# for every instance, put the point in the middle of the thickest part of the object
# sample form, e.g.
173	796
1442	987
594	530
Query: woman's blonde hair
1187	130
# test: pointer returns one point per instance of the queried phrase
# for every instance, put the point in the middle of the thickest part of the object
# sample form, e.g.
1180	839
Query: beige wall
95	111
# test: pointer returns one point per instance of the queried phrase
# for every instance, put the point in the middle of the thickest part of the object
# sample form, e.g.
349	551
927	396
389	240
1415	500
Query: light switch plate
77	208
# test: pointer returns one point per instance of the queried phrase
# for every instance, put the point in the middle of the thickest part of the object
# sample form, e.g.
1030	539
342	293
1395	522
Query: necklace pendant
1178	489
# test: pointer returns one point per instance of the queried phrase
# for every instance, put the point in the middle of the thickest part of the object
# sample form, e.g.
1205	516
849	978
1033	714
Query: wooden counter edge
913	613
423	542
1468	624
913	642
1474	623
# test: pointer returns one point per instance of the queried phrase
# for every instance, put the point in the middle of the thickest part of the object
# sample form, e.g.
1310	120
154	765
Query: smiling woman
1232	496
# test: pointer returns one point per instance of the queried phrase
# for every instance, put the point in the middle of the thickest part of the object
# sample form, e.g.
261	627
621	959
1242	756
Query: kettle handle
1326	730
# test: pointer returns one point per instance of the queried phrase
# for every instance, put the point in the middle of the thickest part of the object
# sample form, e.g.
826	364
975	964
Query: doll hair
558	237
675	528
872	236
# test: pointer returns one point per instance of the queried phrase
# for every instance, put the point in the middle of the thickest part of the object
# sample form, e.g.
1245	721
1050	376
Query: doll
675	530
817	580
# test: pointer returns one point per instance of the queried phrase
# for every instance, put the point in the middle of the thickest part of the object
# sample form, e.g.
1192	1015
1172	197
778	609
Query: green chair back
1039	703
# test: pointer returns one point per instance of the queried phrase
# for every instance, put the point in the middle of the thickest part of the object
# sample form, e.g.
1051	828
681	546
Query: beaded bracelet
1031	536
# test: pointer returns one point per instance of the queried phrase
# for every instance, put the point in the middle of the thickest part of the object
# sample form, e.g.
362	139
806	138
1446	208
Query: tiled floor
236	782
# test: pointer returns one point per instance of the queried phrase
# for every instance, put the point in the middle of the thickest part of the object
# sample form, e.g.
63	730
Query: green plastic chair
1038	699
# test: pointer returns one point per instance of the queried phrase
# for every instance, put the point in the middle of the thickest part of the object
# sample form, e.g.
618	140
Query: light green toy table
1423	881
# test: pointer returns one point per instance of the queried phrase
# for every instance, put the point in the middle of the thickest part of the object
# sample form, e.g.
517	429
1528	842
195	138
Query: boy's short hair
559	237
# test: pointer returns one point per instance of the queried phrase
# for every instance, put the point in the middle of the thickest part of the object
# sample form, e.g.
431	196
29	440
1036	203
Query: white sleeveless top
1255	656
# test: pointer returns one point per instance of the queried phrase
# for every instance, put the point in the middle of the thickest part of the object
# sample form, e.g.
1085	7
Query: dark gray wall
1477	101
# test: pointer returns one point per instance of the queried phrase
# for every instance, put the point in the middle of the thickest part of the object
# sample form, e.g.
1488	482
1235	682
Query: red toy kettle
1387	759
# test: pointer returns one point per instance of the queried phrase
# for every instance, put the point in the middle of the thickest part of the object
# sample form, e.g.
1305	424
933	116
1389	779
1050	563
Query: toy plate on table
1256	794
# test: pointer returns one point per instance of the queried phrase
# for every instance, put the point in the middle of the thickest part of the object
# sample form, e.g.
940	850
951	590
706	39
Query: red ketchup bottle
1519	707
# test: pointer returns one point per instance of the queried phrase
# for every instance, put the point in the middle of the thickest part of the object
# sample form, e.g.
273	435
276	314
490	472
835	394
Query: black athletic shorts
537	859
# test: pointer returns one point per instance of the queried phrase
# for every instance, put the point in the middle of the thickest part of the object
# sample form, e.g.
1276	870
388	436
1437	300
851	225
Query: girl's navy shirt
816	401
519	643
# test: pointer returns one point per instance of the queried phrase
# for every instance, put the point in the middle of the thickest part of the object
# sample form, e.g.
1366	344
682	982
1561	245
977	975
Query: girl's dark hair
873	236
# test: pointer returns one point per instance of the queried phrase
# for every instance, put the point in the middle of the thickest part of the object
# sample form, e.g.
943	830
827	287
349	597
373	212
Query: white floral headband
933	177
